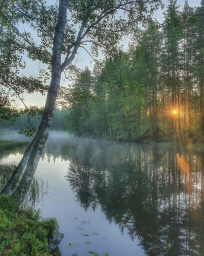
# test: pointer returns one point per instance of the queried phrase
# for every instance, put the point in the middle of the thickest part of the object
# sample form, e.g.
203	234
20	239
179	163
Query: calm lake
125	199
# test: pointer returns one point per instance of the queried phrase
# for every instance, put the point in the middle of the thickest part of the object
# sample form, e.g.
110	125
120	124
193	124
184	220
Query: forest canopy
154	90
101	24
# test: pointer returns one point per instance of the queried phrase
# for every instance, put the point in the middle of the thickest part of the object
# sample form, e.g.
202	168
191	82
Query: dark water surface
121	198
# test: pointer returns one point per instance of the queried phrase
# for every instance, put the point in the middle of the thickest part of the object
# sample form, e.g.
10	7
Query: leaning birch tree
78	23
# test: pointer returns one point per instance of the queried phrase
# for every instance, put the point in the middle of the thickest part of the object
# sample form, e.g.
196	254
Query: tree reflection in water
149	192
27	189
153	193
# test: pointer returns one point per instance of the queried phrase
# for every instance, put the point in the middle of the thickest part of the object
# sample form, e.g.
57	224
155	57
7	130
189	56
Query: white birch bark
32	154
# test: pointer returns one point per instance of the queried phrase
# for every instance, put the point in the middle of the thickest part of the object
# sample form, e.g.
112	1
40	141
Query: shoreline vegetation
166	142
4	144
22	231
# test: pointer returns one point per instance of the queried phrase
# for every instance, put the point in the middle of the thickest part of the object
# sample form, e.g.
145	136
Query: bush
21	231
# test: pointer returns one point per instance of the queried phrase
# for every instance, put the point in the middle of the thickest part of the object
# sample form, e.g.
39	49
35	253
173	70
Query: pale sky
82	60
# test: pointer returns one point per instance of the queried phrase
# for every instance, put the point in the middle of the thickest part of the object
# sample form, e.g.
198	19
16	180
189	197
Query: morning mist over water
120	198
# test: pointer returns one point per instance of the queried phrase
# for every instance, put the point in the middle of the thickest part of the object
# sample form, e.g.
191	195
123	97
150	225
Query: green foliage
26	123
133	94
7	145
21	231
71	245
28	131
97	20
14	45
58	122
95	254
78	117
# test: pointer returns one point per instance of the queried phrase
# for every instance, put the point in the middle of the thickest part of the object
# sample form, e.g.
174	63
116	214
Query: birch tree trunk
92	18
33	153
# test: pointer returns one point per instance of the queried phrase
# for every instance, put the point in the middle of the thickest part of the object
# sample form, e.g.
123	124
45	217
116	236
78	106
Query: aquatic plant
95	254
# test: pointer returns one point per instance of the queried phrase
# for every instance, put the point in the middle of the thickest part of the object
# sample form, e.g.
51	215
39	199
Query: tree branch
18	94
15	28
93	42
21	99
111	10
24	14
76	45
87	52
71	55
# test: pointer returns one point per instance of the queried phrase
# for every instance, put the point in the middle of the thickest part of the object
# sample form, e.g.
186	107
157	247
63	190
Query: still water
120	198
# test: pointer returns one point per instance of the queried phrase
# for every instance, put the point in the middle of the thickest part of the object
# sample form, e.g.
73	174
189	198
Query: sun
174	111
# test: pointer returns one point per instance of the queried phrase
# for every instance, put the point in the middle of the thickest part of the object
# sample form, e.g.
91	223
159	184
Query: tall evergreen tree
199	59
170	62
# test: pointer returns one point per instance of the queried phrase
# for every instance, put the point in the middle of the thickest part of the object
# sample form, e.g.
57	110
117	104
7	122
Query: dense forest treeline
24	120
155	90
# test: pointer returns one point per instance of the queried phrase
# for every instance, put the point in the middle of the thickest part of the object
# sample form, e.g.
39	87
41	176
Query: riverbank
7	144
165	143
22	231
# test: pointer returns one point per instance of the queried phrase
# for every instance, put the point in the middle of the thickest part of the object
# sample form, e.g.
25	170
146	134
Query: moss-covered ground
22	232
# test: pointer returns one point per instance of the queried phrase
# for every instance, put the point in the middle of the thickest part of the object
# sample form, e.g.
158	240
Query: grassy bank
22	232
5	143
9	145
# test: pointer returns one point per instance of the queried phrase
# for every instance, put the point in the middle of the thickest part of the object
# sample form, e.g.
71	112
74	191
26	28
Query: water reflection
16	148
38	189
153	193
35	193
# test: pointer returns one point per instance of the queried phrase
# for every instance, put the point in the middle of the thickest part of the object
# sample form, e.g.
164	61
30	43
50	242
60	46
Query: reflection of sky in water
75	223
151	192
63	206
11	158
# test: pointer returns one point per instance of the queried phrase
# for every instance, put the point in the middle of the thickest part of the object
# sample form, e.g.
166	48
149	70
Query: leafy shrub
21	231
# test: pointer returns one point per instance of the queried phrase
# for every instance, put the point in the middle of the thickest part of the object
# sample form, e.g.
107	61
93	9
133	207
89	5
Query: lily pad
75	218
87	242
70	246
95	234
75	245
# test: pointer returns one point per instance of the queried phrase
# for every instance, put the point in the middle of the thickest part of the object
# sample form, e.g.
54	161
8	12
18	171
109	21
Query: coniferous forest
154	90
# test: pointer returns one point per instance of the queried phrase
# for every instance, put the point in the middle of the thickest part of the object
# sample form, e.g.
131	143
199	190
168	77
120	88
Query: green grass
6	132
22	232
7	143
95	254
11	145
